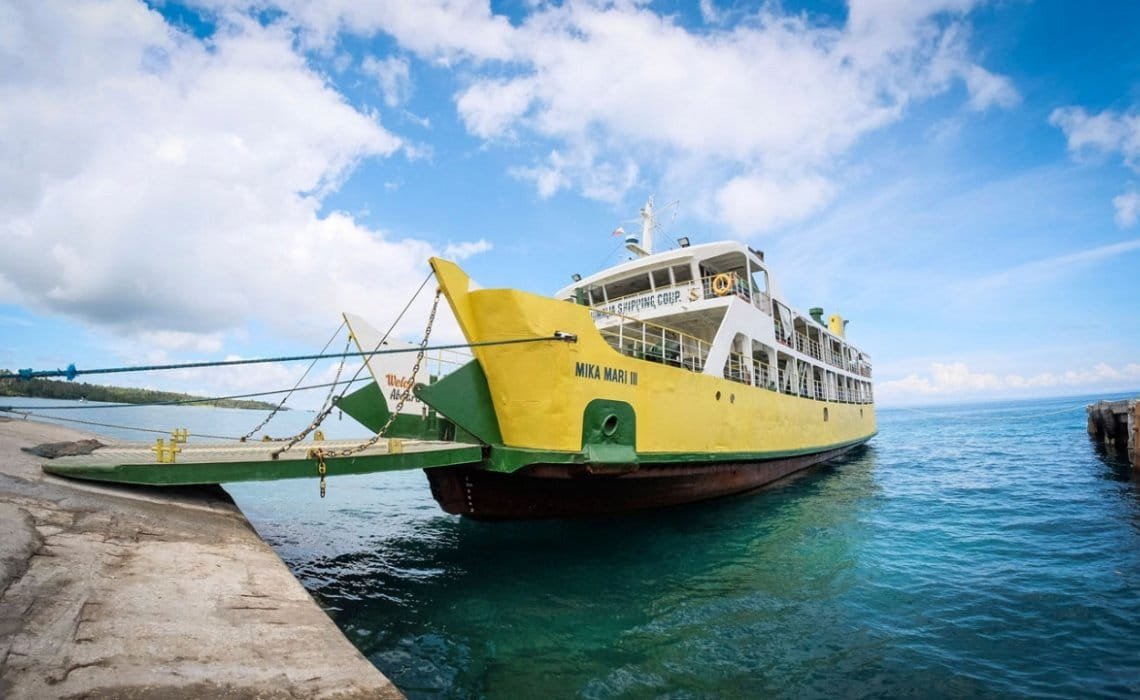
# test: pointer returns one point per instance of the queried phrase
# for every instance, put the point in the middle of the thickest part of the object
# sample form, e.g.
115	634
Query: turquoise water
983	550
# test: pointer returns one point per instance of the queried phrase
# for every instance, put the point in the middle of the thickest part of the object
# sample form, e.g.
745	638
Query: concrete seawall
1116	425
140	593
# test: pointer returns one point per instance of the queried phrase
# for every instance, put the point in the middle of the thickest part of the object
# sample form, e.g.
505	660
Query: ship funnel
817	315
837	325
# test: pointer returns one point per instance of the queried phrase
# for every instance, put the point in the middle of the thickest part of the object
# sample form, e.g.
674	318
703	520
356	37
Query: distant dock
1116	424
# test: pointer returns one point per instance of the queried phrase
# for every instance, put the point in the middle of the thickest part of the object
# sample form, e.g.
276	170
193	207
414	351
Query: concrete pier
148	593
1116	424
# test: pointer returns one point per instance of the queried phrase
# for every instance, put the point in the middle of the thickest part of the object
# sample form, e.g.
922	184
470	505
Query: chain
281	405
403	397
326	407
319	453
322	469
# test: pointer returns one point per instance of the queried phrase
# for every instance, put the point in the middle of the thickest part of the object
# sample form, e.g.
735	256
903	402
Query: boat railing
746	370
707	288
808	346
656	343
763	375
440	363
649	341
834	359
712	288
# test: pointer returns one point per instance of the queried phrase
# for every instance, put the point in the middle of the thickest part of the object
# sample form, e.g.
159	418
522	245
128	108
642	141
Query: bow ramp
226	463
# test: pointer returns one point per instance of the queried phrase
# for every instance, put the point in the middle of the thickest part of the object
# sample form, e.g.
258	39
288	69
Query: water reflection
458	604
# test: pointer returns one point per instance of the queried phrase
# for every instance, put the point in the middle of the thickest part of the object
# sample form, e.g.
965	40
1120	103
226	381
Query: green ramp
196	465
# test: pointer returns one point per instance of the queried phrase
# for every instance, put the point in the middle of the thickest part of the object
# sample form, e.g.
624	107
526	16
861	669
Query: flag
619	231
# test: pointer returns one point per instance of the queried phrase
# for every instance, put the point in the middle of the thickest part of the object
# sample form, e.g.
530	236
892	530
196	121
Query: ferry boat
673	377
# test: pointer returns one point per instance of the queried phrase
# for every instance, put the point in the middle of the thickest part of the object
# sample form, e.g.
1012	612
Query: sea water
974	550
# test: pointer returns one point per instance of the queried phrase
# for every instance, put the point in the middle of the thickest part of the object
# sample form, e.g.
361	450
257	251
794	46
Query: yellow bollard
179	435
318	436
164	454
395	446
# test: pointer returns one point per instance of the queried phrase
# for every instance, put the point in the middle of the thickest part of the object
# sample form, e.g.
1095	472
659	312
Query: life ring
722	283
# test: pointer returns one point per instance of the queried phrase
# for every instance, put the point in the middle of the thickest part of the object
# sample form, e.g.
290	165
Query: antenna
649	225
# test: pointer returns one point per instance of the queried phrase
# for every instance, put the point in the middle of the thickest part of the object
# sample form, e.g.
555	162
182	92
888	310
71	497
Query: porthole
825	414
732	398
718	396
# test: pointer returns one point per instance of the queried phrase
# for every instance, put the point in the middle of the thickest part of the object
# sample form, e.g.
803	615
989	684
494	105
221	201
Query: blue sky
221	178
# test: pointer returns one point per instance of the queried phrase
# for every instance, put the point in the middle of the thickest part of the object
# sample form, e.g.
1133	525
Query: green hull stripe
511	459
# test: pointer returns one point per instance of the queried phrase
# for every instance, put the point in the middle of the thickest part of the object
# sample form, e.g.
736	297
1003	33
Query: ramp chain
320	453
312	364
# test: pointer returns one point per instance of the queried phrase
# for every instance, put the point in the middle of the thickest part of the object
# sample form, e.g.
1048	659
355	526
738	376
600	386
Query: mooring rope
31	414
320	454
384	338
180	402
312	364
329	403
71	372
959	416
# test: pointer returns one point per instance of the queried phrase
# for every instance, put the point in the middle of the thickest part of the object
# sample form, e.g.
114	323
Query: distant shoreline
82	391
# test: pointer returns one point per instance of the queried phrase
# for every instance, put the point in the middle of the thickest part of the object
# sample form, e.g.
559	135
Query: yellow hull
541	391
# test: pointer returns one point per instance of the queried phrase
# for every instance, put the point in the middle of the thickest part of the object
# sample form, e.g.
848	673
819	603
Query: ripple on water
981	551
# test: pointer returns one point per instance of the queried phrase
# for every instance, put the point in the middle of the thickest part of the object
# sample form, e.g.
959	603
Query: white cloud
598	178
1108	132
989	90
393	76
152	183
774	97
1039	271
442	30
462	251
1127	209
489	108
957	381
175	340
617	88
710	13
750	204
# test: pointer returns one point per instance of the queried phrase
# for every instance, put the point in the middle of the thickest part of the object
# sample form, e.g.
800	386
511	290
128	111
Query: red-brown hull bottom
559	491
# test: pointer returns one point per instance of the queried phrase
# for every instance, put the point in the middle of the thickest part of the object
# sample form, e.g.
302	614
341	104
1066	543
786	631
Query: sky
220	179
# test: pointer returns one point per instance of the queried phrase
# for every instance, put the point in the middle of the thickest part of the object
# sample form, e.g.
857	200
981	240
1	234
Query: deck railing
649	341
808	346
440	363
653	342
705	289
702	289
739	288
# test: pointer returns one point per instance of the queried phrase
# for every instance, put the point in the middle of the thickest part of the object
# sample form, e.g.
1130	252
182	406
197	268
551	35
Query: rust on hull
558	491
